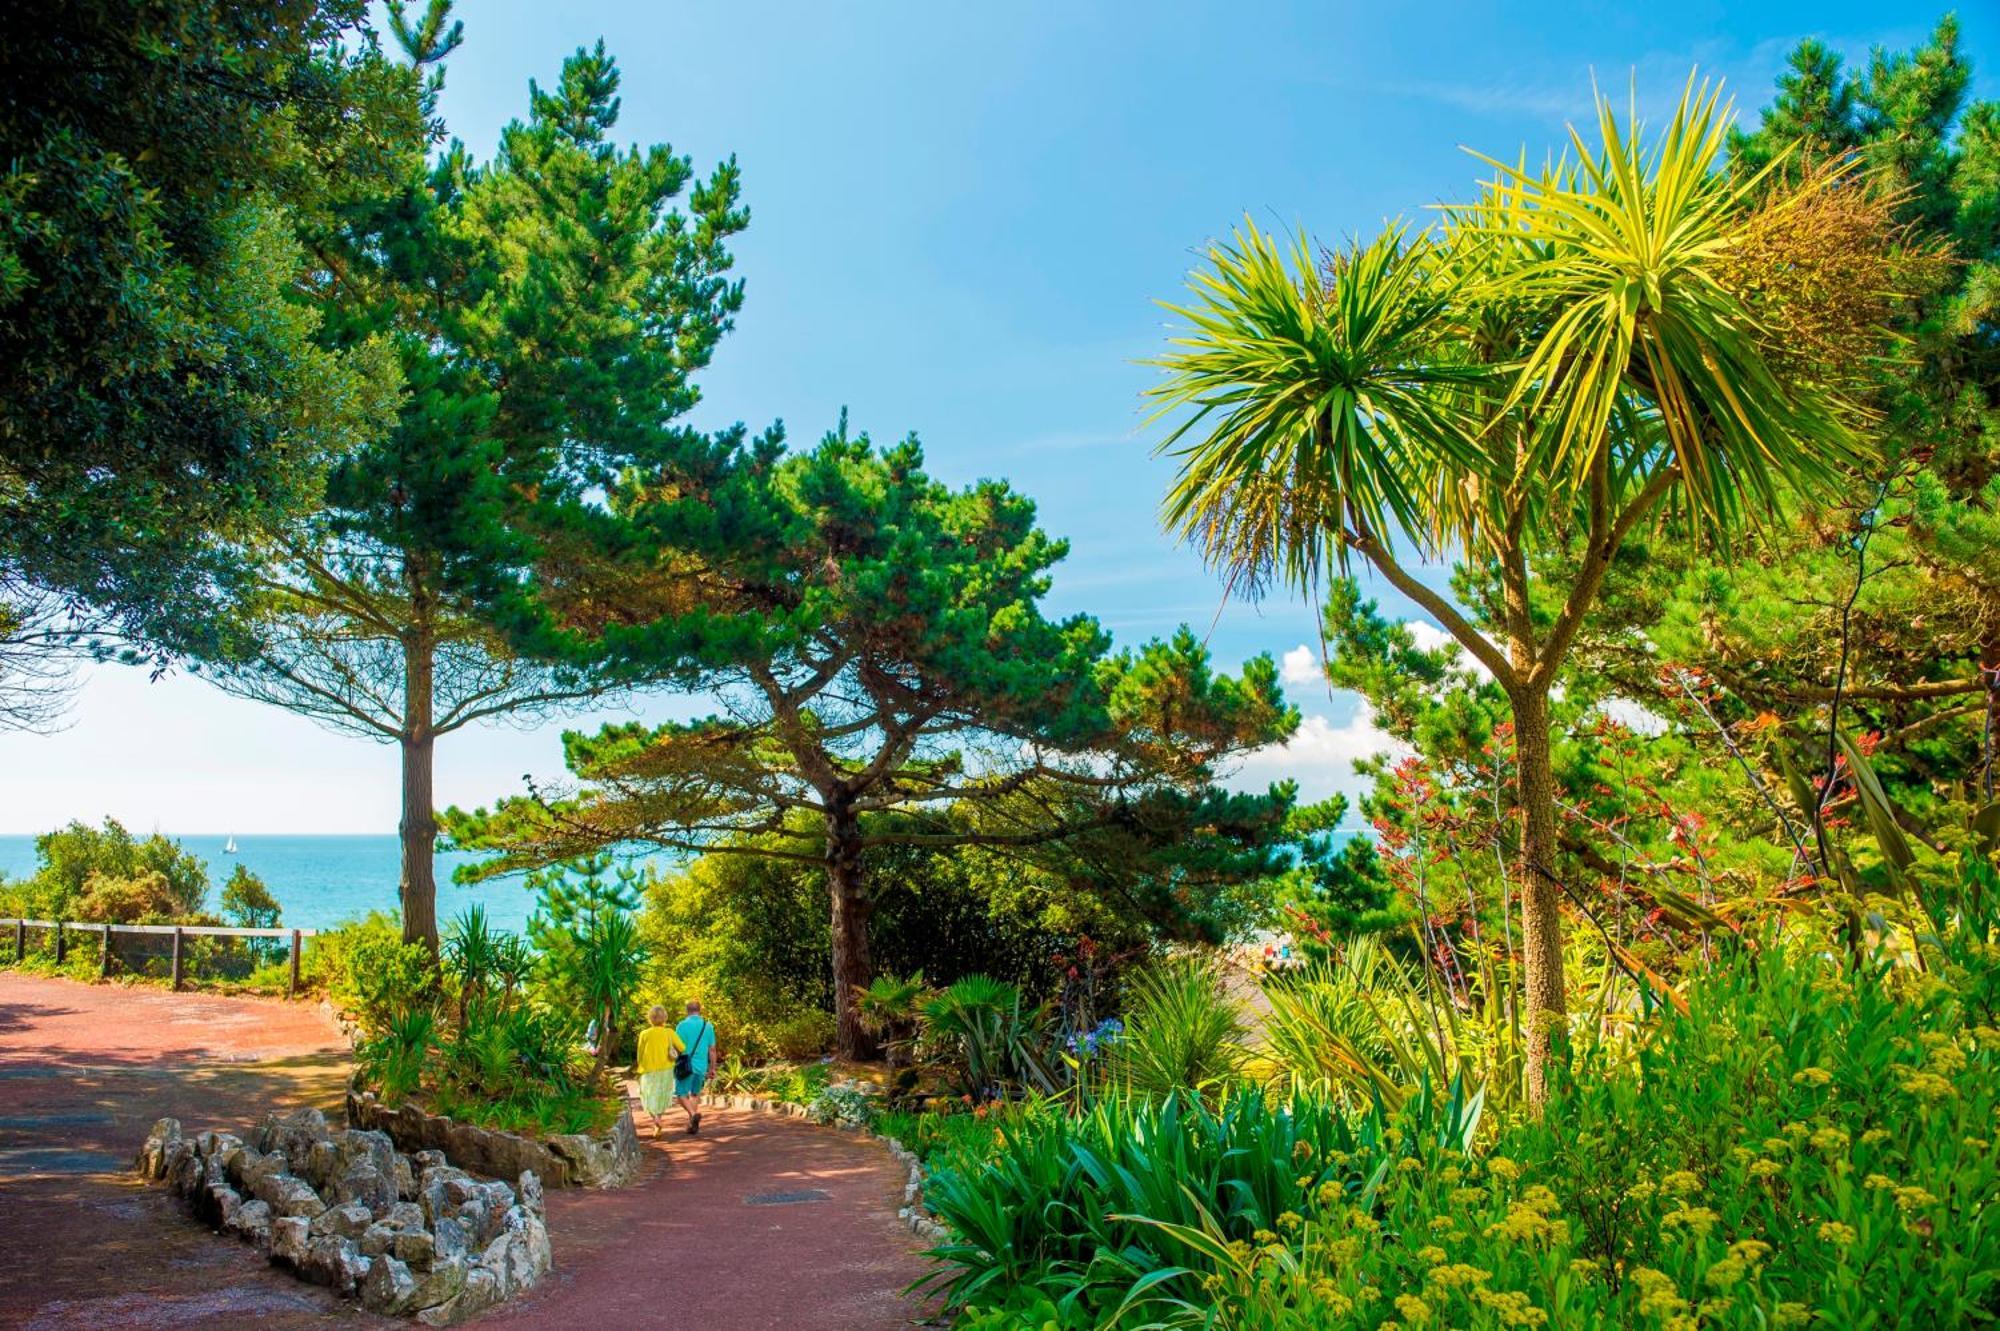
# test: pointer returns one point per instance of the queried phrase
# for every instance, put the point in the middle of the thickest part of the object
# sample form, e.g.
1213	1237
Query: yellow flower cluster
1681	1183
1839	1235
1415	1311
1811	1077
1657	1295
1529	1219
1511	1306
1331	1300
1458	1275
1697	1220
1926	1086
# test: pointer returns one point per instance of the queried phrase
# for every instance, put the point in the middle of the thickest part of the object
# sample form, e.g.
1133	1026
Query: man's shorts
692	1083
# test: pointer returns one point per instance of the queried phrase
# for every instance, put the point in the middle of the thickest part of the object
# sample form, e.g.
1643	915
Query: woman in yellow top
658	1044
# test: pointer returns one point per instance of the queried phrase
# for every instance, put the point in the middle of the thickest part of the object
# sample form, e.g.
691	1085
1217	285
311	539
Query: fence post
177	958
62	943
20	941
292	991
104	955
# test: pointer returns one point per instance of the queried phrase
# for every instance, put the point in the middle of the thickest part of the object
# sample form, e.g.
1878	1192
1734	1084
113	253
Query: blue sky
962	220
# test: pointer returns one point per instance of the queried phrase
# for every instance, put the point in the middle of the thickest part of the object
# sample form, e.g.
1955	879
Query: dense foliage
162	389
1807	1144
888	682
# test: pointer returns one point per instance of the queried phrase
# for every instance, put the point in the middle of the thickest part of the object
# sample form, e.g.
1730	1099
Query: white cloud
1635	717
1430	637
1320	757
1300	666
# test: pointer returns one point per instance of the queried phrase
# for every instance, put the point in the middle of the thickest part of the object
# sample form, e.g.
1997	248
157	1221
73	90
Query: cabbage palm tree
1580	351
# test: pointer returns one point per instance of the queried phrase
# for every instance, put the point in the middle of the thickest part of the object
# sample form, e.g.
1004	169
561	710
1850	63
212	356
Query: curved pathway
761	1222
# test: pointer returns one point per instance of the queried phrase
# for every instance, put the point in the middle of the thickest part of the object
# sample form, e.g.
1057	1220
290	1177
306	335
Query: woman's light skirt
656	1091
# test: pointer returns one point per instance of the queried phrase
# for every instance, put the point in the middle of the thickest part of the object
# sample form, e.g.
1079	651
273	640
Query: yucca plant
394	1063
472	955
1571	358
1183	1032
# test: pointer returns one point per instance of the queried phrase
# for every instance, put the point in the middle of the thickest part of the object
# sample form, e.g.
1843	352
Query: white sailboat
230	849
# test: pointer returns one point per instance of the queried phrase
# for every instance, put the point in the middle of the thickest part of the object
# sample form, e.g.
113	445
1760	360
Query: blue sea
322	880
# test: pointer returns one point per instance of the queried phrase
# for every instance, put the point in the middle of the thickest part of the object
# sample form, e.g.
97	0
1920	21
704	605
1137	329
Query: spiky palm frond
1318	403
1639	321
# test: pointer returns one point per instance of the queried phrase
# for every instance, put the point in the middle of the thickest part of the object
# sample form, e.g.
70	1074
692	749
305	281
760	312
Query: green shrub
806	1033
797	1085
1804	1145
369	972
1074	1208
842	1105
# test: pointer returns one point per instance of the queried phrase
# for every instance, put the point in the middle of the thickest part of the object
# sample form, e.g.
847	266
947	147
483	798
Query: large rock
252	1221
152	1159
289	1236
609	1161
289	1195
416	1248
480	1292
349	1220
441	1284
365	1185
449	1239
404	1215
253	1167
335	1262
219	1204
388	1287
294	1134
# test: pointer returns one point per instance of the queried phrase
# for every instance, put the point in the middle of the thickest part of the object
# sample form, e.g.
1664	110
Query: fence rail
66	929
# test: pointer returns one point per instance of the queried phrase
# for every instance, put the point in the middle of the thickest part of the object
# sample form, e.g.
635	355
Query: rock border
562	1160
406	1235
914	1214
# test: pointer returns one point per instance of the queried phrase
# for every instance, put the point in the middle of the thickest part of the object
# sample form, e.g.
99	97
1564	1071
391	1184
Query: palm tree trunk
1541	888
852	966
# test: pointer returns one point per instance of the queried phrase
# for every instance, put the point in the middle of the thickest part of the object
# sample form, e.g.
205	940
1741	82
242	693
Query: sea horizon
323	879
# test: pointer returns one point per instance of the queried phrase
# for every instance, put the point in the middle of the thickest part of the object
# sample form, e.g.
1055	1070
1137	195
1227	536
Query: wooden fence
65	930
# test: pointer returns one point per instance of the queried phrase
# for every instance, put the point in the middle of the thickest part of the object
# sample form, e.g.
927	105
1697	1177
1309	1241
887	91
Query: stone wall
408	1235
561	1160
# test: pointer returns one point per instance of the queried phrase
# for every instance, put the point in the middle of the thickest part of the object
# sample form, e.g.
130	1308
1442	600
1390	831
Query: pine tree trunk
1541	891
419	826
852	967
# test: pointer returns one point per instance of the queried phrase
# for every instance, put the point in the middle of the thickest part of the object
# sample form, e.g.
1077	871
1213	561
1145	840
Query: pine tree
886	678
547	310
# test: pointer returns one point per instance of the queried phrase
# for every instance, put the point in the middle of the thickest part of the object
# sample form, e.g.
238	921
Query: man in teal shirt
697	1037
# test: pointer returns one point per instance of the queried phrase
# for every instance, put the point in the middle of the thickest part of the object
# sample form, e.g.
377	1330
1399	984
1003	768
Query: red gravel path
85	1069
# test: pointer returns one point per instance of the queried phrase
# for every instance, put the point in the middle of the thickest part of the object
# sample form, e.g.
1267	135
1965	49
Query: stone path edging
913	1213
